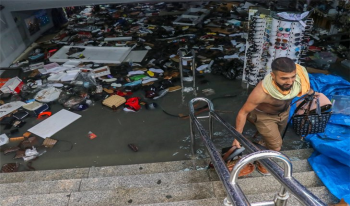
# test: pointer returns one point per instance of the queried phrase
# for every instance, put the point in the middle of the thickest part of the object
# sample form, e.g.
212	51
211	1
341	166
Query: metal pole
211	126
194	71
281	197
180	68
192	129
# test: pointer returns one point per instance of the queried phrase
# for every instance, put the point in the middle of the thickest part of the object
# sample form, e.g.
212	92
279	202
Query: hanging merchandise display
273	35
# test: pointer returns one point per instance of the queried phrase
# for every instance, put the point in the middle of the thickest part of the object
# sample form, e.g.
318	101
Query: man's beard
284	87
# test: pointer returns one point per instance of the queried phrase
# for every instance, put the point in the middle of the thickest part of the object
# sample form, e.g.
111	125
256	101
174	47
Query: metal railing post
281	197
194	71
211	126
193	134
180	67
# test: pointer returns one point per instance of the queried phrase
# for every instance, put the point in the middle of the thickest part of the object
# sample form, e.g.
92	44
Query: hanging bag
312	114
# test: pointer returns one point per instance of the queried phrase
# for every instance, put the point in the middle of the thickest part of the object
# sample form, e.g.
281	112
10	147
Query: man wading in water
268	105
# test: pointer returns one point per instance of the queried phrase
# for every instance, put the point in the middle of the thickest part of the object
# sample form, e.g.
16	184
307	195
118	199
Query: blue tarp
331	159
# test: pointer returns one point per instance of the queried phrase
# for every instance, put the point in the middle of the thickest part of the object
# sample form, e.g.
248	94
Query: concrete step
146	180
186	194
202	202
104	183
171	183
108	171
40	187
124	170
249	185
119	196
321	192
256	185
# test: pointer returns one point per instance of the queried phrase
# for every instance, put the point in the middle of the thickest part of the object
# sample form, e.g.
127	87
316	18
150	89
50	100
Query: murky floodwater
159	136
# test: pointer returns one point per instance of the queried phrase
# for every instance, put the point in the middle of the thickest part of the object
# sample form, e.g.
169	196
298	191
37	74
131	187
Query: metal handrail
281	197
235	194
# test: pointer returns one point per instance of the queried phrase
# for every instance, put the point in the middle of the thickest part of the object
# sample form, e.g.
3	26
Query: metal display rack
270	36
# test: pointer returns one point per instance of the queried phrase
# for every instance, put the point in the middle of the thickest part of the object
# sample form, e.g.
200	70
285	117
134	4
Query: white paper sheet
70	76
55	123
136	56
57	69
10	107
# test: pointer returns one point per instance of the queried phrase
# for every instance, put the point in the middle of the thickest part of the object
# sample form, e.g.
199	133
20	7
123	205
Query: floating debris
199	151
200	168
218	134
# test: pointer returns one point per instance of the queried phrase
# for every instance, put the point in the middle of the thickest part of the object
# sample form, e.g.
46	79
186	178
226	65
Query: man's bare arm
255	98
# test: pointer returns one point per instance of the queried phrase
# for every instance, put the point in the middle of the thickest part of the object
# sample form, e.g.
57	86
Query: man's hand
236	144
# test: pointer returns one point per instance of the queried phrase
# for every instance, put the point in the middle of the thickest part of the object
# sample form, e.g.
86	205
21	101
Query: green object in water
137	77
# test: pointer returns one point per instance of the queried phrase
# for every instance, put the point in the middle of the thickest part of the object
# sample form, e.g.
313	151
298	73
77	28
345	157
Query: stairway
186	183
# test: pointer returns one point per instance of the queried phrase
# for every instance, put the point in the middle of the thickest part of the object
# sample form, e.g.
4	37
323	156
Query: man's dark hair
283	64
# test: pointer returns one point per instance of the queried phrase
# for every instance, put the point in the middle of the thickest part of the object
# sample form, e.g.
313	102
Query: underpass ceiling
20	5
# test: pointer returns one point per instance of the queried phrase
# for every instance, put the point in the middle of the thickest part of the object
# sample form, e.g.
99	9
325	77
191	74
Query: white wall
14	37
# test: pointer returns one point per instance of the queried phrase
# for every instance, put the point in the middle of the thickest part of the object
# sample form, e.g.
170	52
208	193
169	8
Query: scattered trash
133	147
208	92
199	151
82	73
44	114
3	139
218	134
200	168
188	89
91	135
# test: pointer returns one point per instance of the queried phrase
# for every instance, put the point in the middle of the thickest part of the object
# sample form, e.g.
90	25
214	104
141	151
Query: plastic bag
31	152
72	101
87	79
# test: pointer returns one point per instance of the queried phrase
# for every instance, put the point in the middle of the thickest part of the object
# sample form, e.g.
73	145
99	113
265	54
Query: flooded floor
159	136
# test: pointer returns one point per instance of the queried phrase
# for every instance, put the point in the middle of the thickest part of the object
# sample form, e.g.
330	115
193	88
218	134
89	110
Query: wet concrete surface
158	136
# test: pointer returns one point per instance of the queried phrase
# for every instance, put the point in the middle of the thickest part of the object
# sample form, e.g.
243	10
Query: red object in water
50	53
314	48
92	135
44	114
85	33
123	94
133	103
